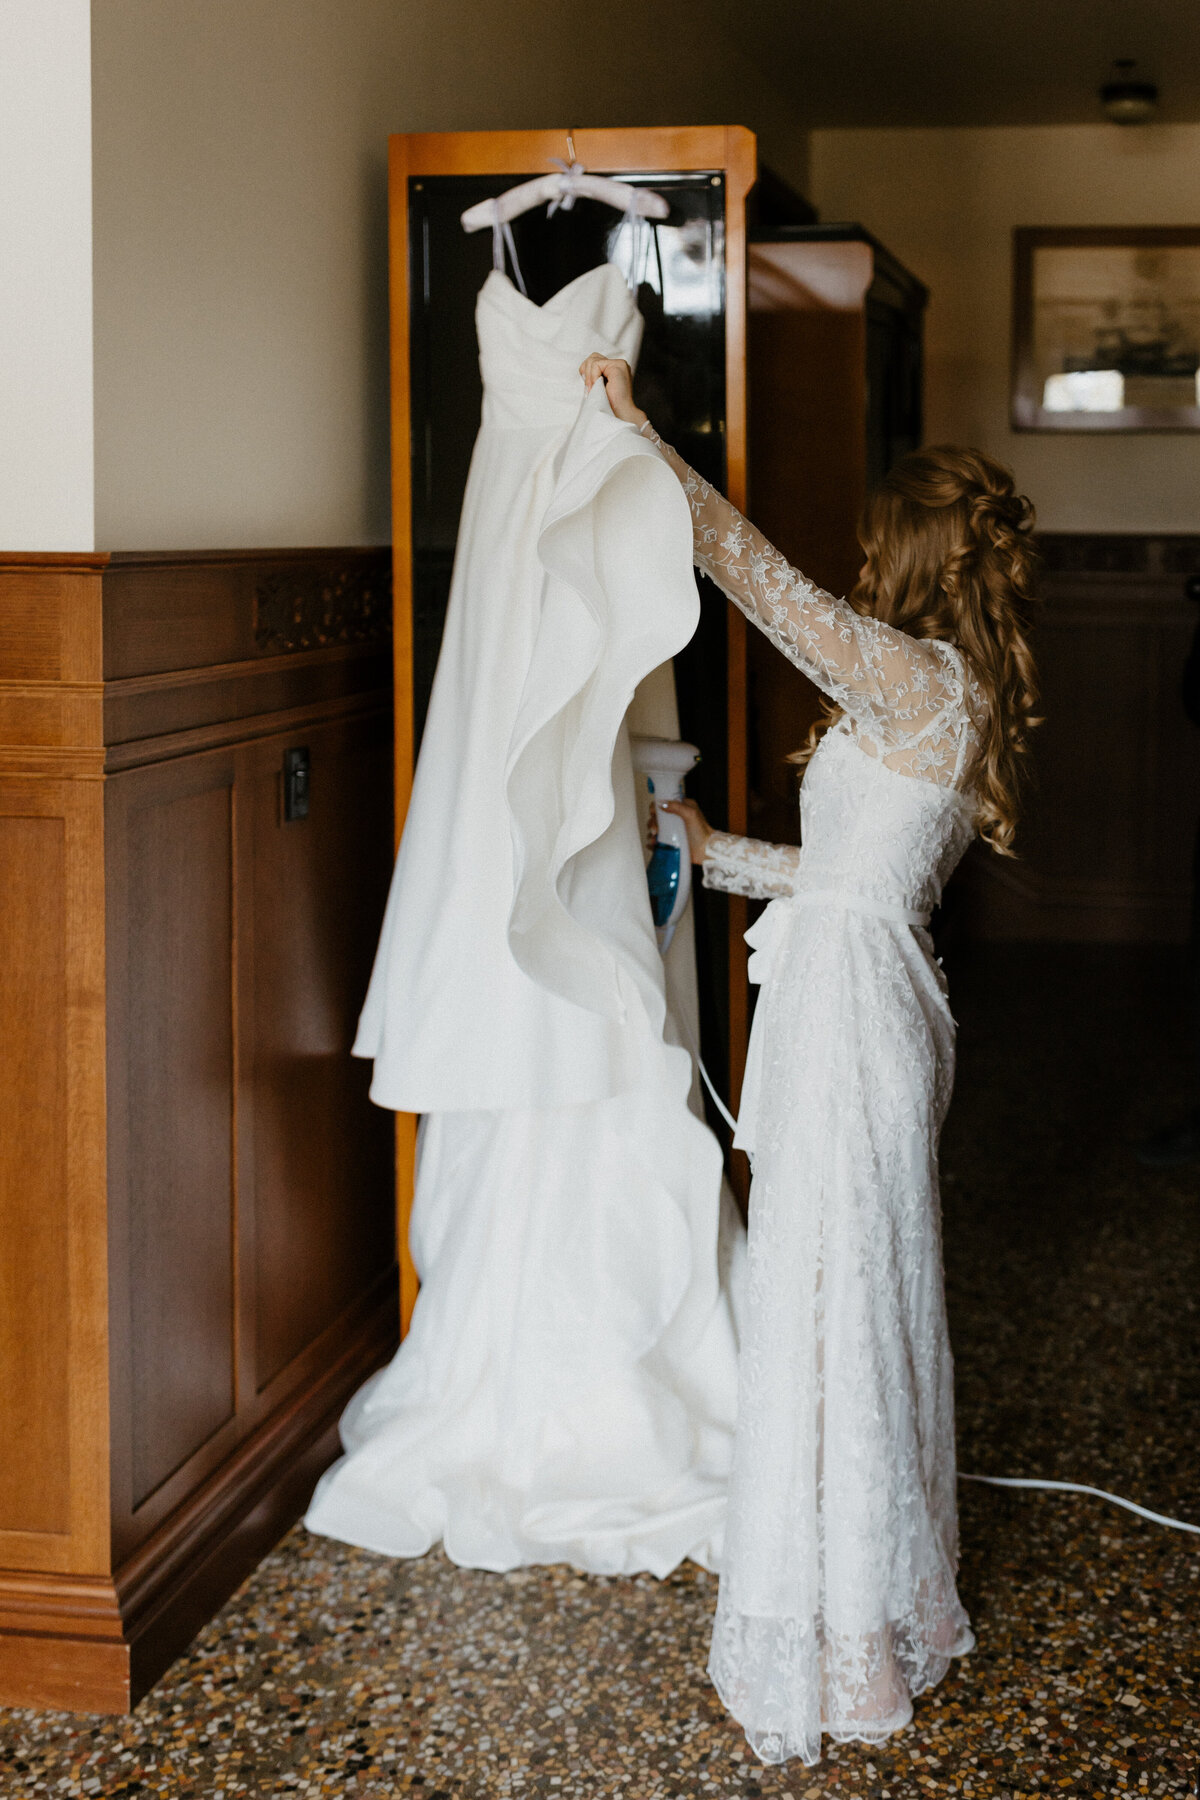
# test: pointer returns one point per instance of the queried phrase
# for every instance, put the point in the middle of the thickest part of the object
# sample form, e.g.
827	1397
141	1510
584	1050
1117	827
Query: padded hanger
560	189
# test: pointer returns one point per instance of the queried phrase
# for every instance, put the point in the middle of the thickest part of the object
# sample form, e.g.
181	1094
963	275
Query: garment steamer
665	762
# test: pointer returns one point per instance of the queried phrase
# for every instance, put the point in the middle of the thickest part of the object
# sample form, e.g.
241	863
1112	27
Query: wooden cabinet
835	378
196	1219
1107	835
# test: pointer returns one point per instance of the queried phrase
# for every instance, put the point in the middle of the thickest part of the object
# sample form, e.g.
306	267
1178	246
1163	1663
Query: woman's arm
748	866
736	865
893	686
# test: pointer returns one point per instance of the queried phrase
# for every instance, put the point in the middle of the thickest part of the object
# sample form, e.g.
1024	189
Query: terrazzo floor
1074	1297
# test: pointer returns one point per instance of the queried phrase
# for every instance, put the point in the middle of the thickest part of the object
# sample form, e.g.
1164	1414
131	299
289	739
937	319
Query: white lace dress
837	1598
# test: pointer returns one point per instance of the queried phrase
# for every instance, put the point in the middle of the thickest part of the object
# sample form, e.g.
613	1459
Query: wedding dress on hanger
567	1388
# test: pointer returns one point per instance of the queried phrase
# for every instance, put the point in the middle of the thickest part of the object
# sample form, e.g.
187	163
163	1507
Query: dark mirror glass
679	271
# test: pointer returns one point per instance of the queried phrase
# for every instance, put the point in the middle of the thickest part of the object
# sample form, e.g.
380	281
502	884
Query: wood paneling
200	609
98	1644
50	619
62	1643
34	1226
1106	842
52	1124
179	913
808	375
152	707
318	1238
154	1463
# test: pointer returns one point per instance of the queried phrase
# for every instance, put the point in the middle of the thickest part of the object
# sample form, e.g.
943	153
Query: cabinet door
316	1154
170	851
251	1193
808	474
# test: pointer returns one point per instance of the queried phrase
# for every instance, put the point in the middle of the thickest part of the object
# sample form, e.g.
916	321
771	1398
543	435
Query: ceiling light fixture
1127	98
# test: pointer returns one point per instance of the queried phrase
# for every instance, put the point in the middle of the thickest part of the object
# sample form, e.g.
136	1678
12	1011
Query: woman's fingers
609	368
696	825
618	379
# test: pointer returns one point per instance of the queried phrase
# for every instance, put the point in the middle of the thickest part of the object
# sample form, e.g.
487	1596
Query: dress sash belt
765	934
859	903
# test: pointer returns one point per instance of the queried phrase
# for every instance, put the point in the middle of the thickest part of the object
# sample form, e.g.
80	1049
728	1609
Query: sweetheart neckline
501	275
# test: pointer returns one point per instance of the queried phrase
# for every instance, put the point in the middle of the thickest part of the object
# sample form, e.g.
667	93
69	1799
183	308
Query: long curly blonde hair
947	541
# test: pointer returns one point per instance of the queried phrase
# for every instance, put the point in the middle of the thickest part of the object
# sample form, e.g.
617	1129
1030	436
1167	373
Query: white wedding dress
837	1599
567	1388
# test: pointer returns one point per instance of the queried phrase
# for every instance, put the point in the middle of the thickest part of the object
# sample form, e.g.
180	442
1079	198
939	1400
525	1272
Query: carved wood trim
171	679
48	1603
54	559
50	762
308	609
1118	553
236	731
165	613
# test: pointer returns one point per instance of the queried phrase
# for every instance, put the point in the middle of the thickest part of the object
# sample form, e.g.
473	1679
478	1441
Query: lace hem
856	1690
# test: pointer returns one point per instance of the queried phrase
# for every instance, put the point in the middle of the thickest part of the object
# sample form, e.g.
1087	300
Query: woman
837	1600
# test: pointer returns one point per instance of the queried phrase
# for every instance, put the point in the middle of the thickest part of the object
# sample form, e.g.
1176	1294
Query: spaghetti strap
502	239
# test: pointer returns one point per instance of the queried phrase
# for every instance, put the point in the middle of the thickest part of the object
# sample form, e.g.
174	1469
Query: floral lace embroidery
740	865
908	701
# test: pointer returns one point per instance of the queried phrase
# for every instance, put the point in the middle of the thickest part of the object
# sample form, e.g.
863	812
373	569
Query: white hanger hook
571	156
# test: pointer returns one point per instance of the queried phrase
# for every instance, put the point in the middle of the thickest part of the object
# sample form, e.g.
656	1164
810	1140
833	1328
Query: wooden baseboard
97	1644
64	1674
62	1643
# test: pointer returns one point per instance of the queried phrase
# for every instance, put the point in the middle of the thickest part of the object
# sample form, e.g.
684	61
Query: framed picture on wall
1106	328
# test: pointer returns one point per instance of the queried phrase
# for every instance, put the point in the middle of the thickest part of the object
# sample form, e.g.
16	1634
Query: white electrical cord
681	1020
707	1079
1078	1487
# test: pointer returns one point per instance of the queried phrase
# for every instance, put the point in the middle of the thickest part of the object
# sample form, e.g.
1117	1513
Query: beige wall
45	277
946	203
240	218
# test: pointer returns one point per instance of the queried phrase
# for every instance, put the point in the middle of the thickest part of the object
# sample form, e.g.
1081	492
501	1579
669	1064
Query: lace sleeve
741	865
893	687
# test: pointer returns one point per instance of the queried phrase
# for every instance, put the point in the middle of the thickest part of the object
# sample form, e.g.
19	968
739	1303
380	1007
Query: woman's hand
695	824
617	377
